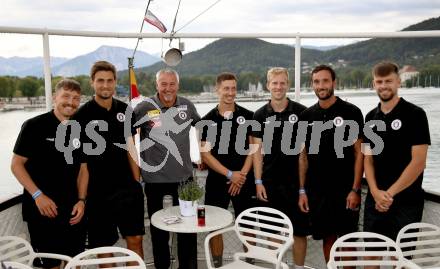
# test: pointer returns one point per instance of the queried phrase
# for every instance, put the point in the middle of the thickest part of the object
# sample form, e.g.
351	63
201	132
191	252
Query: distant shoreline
24	103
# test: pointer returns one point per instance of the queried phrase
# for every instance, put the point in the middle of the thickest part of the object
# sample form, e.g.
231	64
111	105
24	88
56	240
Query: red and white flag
151	19
133	84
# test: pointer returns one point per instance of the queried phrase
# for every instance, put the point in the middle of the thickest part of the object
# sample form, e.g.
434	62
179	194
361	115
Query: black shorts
56	236
389	223
284	198
329	215
217	194
124	210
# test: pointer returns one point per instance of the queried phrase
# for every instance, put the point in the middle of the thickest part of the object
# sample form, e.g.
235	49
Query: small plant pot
188	208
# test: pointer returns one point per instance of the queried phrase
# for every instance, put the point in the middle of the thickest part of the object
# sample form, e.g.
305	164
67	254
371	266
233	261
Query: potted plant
189	192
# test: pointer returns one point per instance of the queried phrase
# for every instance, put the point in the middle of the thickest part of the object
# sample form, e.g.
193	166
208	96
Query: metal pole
47	72
297	69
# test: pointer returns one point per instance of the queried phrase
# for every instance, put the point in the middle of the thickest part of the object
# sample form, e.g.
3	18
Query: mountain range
250	55
255	55
80	65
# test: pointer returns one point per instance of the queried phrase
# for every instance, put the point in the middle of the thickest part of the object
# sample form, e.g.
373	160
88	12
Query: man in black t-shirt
55	184
331	166
228	170
115	197
276	173
395	162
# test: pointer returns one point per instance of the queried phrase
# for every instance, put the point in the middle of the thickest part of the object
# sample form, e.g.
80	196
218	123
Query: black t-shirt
331	170
278	166
47	166
406	126
228	155
109	170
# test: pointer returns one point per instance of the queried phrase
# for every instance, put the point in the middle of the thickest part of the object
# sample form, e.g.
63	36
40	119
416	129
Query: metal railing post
47	72
298	68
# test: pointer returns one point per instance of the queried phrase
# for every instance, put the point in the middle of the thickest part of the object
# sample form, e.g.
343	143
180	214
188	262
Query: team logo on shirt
241	120
182	115
120	116
293	118
76	143
396	124
338	121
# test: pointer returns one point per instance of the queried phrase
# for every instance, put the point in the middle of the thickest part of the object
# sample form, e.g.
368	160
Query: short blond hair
277	71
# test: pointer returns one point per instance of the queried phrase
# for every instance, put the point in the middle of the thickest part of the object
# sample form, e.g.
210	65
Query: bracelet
302	191
258	182
229	174
357	191
36	194
83	200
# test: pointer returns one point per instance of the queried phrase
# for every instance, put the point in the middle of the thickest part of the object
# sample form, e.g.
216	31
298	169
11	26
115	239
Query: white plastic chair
14	265
420	242
354	248
271	242
121	256
17	249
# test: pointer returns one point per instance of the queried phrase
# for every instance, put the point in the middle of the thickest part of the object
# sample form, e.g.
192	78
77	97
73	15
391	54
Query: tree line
347	78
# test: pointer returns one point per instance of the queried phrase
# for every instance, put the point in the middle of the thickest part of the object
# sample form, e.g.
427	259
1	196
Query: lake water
428	99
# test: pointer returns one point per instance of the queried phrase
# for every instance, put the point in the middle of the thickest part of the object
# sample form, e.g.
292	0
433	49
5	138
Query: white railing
45	33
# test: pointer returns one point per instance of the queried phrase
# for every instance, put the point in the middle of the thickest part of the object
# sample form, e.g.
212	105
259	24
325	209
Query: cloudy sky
227	16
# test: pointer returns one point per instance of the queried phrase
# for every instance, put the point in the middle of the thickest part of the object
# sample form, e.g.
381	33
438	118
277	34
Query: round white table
215	219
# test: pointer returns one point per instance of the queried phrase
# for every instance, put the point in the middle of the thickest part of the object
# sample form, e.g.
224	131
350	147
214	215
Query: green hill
414	51
237	55
255	55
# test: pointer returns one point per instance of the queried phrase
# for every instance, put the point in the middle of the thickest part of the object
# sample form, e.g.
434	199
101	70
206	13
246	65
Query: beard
329	94
385	98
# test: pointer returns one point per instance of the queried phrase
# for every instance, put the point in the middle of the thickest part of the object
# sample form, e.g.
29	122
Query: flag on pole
133	84
151	19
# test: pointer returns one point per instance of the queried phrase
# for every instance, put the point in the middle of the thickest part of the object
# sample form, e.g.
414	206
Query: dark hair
69	85
324	67
102	66
225	76
383	69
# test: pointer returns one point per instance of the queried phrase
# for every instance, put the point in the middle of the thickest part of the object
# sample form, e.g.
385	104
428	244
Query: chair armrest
208	238
283	250
53	256
411	265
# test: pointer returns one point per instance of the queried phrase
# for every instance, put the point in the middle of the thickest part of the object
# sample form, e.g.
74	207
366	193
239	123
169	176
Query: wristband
36	194
302	191
82	199
229	174
355	190
258	182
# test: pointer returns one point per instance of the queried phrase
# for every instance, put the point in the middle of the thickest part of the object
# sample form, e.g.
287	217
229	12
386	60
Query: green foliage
190	191
29	86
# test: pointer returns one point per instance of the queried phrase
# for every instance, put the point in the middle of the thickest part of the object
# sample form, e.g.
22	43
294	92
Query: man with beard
115	198
330	182
395	173
276	173
55	190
